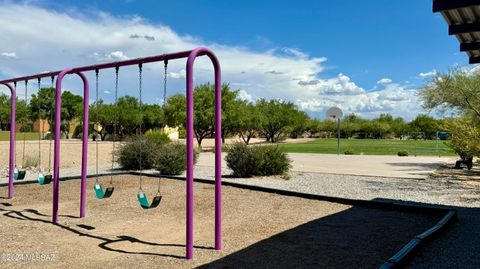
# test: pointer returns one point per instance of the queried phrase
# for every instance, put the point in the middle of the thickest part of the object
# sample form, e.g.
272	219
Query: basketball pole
338	136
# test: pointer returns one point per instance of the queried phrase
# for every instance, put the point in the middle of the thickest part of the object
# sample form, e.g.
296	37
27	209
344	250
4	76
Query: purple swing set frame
191	55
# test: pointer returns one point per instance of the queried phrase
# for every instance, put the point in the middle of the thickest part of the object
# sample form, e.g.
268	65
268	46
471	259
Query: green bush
257	161
135	149
26	128
242	160
349	152
157	137
402	153
171	159
273	160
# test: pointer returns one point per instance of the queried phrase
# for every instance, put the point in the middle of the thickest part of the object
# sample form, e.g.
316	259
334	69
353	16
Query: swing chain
141	119
15	153
96	123
165	84
117	69
40	127
24	136
51	134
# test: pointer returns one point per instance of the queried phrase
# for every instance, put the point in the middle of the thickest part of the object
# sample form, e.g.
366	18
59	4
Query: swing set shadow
106	242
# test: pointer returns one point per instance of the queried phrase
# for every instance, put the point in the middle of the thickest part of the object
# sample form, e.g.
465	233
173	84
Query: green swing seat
142	198
19	174
44	179
103	194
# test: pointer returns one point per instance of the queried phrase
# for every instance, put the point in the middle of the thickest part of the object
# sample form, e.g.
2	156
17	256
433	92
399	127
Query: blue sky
368	57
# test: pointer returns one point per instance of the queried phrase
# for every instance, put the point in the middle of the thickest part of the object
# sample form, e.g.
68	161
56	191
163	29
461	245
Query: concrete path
361	165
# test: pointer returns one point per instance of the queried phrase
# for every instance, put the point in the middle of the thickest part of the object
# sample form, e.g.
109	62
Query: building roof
463	18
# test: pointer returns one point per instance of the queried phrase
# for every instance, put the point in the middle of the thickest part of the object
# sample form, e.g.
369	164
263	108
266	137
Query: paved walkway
361	165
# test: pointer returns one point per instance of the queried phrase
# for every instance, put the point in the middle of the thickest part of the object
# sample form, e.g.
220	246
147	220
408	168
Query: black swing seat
142	199
19	174
44	179
103	194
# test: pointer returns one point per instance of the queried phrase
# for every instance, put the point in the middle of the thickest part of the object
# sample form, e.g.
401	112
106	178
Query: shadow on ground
105	243
359	237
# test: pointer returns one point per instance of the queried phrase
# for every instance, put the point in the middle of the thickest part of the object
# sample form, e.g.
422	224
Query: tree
399	126
300	123
72	108
128	114
4	111
276	115
426	124
457	90
175	110
42	106
153	117
250	121
465	137
313	127
230	111
102	115
203	125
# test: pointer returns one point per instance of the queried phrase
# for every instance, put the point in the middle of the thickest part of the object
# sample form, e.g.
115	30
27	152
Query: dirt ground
260	230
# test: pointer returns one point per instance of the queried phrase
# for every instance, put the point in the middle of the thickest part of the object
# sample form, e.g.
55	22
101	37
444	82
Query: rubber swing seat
142	199
44	179
103	194
19	174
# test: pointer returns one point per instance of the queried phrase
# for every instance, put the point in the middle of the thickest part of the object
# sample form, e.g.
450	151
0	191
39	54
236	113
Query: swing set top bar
151	59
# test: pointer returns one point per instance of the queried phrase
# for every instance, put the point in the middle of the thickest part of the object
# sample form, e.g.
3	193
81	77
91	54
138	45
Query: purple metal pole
56	158
11	165
218	149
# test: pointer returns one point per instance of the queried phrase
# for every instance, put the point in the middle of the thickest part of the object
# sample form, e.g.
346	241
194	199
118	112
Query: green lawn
5	136
373	147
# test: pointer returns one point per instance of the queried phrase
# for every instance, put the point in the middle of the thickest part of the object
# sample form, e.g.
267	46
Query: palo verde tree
276	115
175	110
43	103
250	121
102	117
457	91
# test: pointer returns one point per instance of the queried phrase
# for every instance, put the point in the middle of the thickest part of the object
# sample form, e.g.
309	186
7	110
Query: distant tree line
272	119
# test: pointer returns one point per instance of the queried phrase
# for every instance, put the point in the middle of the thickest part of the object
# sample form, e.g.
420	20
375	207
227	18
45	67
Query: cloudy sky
364	58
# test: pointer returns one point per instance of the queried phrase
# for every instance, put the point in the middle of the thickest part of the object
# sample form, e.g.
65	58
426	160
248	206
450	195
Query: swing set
100	191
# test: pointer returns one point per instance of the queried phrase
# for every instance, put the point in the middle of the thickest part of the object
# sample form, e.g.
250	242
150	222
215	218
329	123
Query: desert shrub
273	160
402	153
31	161
137	150
256	161
242	160
158	137
349	152
171	159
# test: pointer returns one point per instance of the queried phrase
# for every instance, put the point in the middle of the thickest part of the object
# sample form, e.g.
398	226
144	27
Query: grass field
5	136
373	147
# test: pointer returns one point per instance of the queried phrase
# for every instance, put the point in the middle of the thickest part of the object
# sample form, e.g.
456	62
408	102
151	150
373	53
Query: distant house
172	132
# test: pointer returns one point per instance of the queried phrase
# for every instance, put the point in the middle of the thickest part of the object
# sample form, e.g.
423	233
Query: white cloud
177	75
84	39
428	74
9	55
384	81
